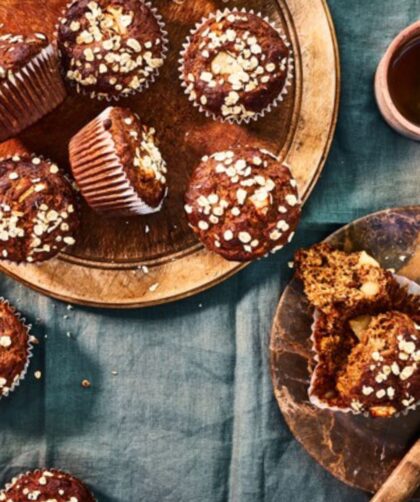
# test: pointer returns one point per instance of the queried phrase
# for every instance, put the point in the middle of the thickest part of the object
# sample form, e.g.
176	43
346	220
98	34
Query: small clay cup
383	97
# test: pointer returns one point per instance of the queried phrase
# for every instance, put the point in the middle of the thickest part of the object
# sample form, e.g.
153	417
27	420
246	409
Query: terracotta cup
383	97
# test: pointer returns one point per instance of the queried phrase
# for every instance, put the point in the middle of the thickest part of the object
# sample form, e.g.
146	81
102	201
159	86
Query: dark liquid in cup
404	80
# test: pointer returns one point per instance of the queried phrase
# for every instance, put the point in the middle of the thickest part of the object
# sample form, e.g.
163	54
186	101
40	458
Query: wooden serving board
360	451
105	268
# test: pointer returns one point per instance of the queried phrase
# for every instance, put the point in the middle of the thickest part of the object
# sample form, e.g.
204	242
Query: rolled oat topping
38	216
111	48
18	50
14	347
48	485
235	65
243	203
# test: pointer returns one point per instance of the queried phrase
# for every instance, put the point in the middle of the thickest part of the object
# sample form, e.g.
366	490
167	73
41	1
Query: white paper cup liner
16	479
30	93
264	111
412	288
19	378
150	79
99	172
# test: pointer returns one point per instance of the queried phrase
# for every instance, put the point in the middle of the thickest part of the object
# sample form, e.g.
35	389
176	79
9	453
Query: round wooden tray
105	268
360	451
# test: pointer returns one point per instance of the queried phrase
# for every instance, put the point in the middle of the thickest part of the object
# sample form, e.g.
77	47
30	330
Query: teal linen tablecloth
191	416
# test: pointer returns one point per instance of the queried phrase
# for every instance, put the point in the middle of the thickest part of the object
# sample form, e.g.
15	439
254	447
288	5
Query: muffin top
110	48
46	486
243	203
382	375
17	50
14	340
38	215
336	282
137	149
235	65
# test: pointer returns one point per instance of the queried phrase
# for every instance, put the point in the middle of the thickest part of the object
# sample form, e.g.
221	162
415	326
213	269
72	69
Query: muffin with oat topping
30	82
365	337
46	486
111	48
236	66
15	348
38	210
117	164
243	203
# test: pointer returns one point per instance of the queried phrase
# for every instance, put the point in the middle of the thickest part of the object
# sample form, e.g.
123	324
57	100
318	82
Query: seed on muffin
243	203
15	348
30	81
236	66
111	49
46	485
38	210
117	164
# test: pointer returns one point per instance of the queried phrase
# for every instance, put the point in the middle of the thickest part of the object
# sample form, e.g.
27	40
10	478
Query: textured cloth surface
191	416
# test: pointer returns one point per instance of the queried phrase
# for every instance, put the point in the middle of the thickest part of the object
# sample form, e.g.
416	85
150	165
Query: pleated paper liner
21	376
264	111
16	479
405	298
99	172
30	93
149	80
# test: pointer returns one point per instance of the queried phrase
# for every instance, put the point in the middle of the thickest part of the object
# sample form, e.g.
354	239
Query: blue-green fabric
191	416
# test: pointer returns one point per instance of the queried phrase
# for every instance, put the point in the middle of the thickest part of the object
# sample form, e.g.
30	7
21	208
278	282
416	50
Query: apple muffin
243	203
236	65
118	166
38	210
46	485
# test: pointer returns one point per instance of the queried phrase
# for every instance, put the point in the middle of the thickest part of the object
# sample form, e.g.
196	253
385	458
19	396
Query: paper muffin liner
150	79
17	478
412	288
30	93
77	207
99	172
19	378
268	108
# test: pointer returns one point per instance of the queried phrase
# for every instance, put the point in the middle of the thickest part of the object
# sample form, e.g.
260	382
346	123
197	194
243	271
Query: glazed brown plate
106	268
360	451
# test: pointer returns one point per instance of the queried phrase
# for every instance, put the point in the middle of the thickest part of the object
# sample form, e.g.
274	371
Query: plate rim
228	268
415	207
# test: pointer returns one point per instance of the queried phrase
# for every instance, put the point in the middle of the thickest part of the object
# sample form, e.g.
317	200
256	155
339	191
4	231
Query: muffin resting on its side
236	65
15	348
46	486
38	210
111	48
243	203
337	282
117	164
30	82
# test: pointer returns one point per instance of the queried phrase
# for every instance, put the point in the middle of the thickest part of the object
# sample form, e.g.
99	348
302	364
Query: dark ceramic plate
360	451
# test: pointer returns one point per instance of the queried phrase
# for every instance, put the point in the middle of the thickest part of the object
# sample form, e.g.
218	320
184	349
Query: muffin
381	375
243	203
15	348
111	48
117	164
38	210
365	338
236	66
46	486
30	82
335	281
